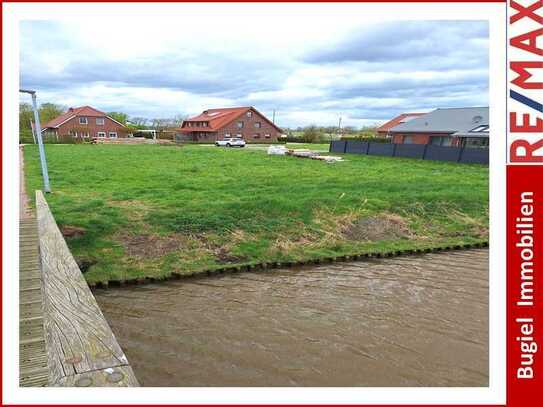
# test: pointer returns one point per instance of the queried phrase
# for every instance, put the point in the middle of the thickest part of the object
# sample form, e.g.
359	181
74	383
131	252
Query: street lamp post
43	161
33	131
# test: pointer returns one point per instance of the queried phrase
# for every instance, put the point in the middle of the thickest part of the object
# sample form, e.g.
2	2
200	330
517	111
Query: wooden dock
32	350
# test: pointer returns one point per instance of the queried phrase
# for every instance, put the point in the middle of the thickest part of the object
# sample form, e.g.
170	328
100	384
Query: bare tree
179	119
139	122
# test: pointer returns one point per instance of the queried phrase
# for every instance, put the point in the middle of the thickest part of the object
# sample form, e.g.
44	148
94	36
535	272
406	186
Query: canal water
404	321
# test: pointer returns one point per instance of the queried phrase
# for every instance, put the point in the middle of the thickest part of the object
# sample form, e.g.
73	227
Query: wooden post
424	152
461	153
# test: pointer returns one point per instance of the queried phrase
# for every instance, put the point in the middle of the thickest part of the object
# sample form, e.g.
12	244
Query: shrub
65	139
368	139
293	139
25	136
311	134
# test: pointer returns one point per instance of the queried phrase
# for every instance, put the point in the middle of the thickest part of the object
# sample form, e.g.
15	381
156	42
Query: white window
239	135
101	134
258	125
240	125
267	135
112	134
100	121
257	135
227	135
408	140
249	114
83	120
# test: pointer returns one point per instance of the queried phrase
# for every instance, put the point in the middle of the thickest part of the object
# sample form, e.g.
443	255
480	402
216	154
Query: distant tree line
321	134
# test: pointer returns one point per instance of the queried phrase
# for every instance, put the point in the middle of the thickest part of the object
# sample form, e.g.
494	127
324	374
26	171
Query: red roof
217	118
73	112
404	117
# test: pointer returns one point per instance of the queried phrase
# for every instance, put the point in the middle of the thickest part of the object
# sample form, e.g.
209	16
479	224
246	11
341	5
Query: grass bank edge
261	266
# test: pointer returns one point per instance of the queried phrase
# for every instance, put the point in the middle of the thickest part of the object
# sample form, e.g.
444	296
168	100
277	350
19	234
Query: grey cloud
393	48
191	70
409	40
395	87
171	72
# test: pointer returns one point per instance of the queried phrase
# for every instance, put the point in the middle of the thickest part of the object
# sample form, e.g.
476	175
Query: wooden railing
81	348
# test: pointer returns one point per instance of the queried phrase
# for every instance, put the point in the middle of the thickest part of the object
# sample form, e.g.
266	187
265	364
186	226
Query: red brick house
84	122
384	130
465	126
217	124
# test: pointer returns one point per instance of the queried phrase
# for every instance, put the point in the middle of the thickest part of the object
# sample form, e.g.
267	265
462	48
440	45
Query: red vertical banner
524	285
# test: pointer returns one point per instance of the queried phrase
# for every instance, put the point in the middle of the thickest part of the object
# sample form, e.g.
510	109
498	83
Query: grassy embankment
147	210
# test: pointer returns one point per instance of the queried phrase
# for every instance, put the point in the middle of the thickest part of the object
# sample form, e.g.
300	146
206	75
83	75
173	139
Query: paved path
32	352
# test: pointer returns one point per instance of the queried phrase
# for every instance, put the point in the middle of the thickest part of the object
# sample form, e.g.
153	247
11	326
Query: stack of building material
277	150
302	153
314	155
327	158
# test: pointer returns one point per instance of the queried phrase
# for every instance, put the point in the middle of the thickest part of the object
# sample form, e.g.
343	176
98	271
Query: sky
311	73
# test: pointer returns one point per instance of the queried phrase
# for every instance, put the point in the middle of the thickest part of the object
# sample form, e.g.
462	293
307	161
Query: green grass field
149	210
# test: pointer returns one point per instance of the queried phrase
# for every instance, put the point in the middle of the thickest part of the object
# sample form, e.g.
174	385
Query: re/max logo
526	69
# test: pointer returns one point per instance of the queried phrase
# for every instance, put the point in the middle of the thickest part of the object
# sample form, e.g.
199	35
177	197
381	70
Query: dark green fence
420	151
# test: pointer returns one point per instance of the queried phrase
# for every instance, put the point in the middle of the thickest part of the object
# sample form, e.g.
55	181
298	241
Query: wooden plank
34	377
78	337
33	369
